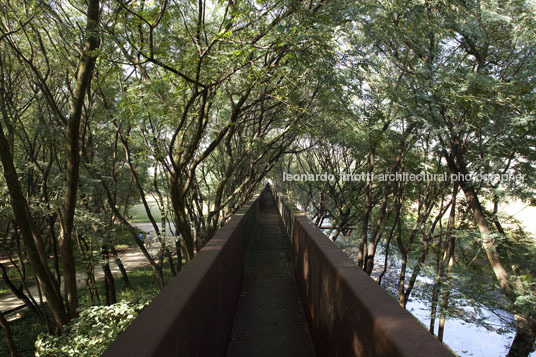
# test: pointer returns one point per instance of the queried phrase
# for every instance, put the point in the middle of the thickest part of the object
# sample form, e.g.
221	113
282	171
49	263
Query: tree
13	34
469	70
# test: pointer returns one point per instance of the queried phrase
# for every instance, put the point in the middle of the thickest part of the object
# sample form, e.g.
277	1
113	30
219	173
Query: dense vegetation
106	103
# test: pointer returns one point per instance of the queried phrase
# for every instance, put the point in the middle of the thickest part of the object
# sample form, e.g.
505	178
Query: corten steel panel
347	312
193	315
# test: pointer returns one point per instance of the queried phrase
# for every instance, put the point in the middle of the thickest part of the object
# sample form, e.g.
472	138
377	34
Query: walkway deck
269	319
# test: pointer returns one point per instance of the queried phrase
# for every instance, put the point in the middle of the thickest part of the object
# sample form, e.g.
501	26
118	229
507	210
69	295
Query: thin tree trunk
171	264
375	237
109	282
121	267
31	305
55	257
182	226
157	268
9	336
401	280
39	291
32	240
179	255
478	213
86	252
437	282
362	252
136	179
446	293
371	249
449	260
387	249
415	272
403	263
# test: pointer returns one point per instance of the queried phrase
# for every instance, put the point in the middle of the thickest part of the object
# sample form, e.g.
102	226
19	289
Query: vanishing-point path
132	258
269	320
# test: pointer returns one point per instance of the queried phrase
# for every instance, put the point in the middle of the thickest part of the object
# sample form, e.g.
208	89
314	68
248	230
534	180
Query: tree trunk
362	252
396	225
178	249
55	256
523	343
18	292
72	134
526	325
401	280
86	252
375	237
171	263
9	336
448	259
487	240
121	267
371	249
109	283
416	271
446	293
437	284
182	226
32	240
478	213
157	268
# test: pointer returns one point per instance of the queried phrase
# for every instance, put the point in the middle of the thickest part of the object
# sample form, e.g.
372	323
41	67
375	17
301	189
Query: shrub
92	332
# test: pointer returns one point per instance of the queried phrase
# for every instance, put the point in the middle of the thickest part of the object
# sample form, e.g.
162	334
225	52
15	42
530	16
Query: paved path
269	319
132	258
148	228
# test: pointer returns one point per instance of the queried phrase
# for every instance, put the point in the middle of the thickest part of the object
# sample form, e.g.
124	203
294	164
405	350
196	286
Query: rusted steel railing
347	312
194	314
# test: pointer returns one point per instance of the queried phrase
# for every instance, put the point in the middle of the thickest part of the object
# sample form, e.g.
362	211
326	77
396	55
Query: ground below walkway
269	319
132	258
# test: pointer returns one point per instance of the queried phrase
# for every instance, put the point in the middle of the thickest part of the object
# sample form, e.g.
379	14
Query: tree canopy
193	105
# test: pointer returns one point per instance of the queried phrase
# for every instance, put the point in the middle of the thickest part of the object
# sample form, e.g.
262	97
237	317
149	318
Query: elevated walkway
270	283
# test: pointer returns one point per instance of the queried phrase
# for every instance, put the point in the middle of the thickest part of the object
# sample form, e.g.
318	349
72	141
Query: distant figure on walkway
141	237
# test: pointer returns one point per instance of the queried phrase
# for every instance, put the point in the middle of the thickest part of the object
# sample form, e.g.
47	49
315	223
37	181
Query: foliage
92	332
196	102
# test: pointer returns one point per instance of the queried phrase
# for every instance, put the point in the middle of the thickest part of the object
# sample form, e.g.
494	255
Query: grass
123	239
137	213
26	329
